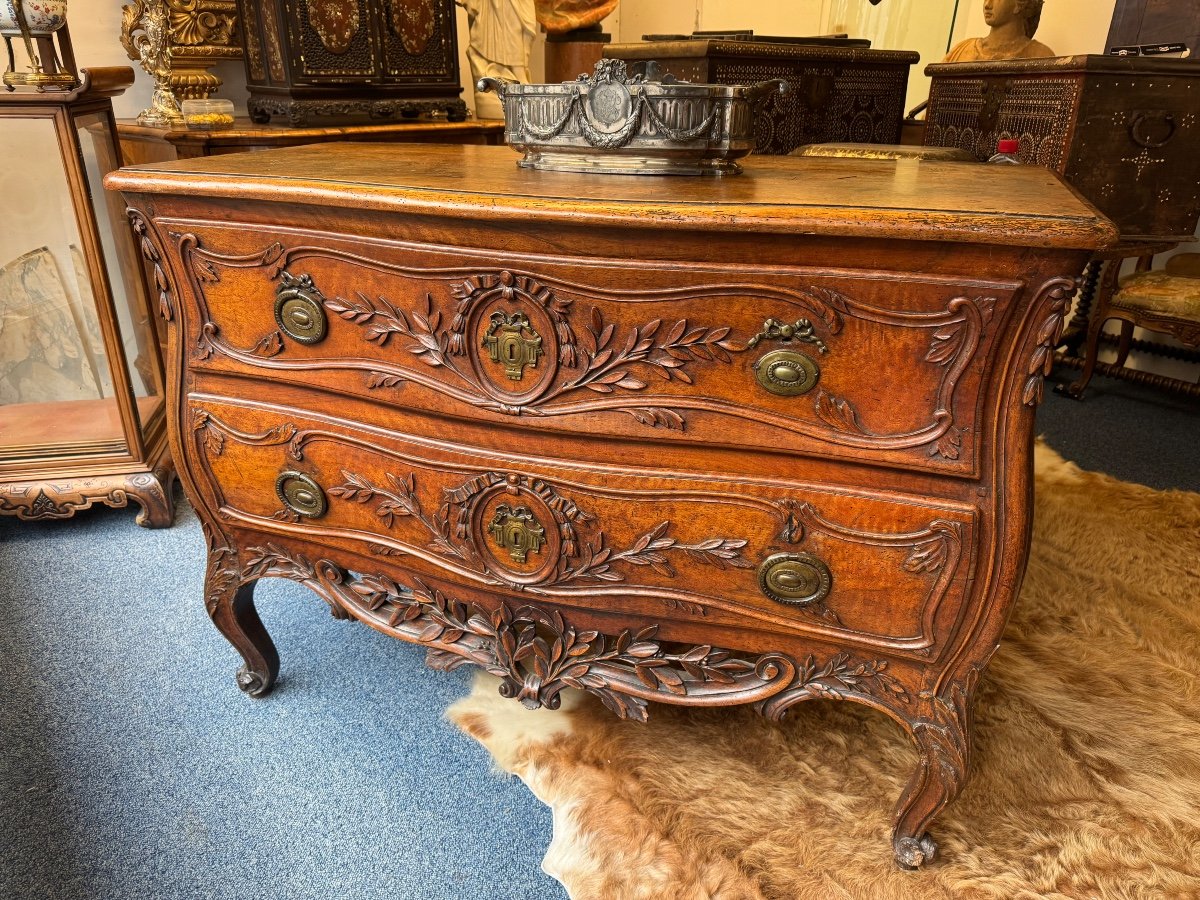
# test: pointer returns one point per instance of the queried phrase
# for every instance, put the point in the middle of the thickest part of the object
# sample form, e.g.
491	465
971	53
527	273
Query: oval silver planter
611	124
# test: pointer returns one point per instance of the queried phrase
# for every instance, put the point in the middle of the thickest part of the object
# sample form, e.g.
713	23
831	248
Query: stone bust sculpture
1013	24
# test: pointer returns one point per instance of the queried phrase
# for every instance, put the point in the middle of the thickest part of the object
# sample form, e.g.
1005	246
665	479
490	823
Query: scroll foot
912	853
154	493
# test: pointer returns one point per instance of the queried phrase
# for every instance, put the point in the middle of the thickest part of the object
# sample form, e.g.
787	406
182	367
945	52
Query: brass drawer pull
797	579
785	371
301	494
299	309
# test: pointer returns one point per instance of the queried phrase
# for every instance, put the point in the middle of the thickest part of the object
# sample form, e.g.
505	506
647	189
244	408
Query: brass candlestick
145	35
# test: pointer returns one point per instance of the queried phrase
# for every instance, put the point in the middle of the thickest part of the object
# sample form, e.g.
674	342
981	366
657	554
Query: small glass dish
207	115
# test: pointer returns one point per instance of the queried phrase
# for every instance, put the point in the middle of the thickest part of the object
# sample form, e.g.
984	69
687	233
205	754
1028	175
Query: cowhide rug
1087	770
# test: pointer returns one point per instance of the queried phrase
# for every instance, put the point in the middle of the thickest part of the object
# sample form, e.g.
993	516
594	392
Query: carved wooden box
836	93
1125	132
760	441
312	61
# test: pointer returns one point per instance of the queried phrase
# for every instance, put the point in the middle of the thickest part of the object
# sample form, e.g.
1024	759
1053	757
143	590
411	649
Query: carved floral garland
537	654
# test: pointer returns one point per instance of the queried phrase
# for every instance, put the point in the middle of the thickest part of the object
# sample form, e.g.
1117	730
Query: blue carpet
132	767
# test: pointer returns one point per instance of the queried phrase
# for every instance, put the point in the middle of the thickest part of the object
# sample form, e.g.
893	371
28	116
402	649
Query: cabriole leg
944	743
230	604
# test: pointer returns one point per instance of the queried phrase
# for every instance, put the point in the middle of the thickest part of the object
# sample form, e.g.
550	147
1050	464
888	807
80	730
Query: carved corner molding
1055	298
166	306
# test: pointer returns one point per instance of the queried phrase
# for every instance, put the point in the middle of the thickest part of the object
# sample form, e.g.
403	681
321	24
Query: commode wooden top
909	199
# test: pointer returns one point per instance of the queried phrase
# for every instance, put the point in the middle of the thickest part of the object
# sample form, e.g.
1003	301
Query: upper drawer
884	367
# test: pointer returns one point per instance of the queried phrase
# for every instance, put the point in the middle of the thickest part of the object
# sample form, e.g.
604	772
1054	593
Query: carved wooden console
753	440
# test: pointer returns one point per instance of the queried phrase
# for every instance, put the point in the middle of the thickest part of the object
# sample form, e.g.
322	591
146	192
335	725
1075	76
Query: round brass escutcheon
301	494
300	316
787	373
797	579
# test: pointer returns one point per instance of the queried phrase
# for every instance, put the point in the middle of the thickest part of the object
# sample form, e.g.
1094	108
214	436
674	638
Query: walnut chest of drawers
759	439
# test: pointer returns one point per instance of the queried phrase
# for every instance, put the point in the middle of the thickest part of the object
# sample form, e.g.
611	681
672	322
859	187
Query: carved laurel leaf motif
223	572
664	355
929	556
165	305
658	417
506	286
271	345
537	654
948	340
597	558
384	380
834	680
451	535
212	438
1041	360
400	500
213	433
607	368
949	445
381	320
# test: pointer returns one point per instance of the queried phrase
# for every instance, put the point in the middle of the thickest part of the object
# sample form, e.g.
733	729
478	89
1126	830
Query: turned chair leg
230	604
1096	320
1075	389
1124	343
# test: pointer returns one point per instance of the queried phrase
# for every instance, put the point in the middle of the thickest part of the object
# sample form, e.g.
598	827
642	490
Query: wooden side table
144	144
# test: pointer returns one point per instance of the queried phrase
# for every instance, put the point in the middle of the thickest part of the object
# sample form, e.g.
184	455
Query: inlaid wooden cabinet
1123	131
317	61
758	439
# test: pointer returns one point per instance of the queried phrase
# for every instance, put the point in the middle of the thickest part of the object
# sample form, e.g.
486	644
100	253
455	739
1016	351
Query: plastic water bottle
1006	153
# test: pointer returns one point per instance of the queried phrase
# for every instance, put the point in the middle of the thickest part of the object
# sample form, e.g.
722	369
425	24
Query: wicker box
838	93
1125	132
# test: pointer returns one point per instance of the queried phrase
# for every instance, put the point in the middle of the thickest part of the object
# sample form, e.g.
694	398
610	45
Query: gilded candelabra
145	35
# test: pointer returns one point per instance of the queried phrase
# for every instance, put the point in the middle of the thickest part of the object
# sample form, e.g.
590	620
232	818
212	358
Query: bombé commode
761	439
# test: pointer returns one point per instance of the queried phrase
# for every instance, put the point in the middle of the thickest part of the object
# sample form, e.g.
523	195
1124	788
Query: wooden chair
1164	300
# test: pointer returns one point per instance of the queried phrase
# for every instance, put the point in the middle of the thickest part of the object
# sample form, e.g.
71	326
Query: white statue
501	38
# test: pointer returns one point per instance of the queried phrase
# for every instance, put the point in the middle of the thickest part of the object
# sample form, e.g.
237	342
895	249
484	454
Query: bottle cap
1008	146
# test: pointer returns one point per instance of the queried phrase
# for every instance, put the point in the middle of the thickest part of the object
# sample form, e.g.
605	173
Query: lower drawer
774	556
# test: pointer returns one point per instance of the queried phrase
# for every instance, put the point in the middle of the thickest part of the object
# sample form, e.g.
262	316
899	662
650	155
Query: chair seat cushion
1159	292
